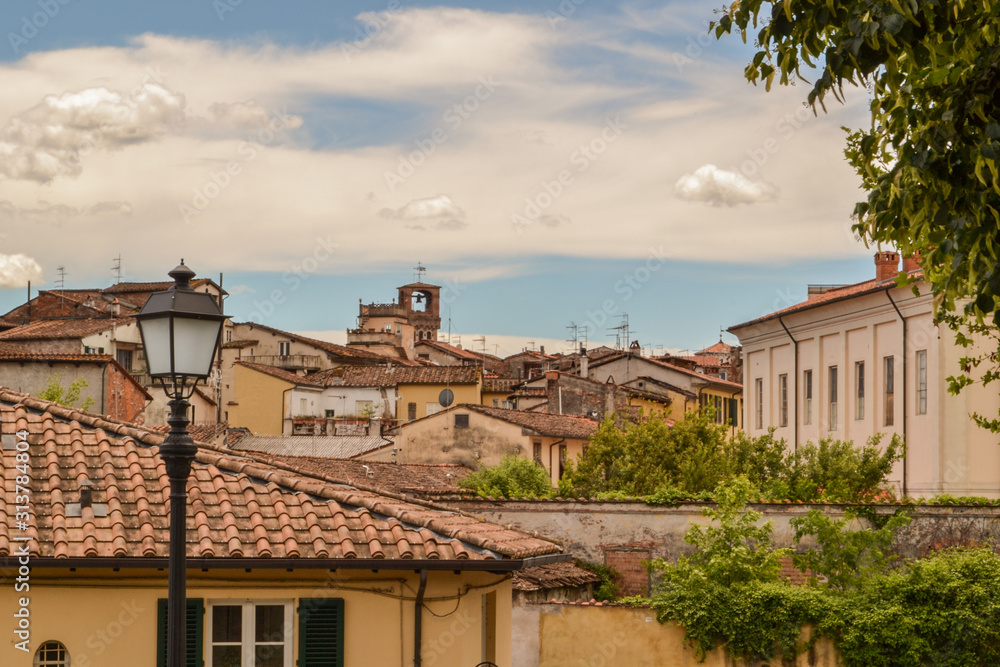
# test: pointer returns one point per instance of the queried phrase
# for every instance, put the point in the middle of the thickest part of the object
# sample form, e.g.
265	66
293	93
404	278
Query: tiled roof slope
379	376
559	426
680	369
410	478
280	373
49	329
831	296
239	507
553	575
320	446
348	351
497	385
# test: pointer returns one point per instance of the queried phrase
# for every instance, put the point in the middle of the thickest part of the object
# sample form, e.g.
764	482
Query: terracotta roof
553	575
49	329
500	385
322	446
559	426
121	288
348	351
449	349
281	374
411	478
831	296
701	376
718	348
239	344
660	383
205	433
380	376
239	507
7	354
701	360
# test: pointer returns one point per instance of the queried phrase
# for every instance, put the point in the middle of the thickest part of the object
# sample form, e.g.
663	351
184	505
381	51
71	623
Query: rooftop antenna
482	340
116	268
574	335
622	332
61	280
420	271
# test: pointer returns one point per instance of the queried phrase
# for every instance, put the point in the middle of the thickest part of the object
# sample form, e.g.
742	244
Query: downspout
552	467
104	385
418	619
903	320
795	374
283	410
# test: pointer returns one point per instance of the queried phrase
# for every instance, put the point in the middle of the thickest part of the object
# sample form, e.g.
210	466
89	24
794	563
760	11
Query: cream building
852	361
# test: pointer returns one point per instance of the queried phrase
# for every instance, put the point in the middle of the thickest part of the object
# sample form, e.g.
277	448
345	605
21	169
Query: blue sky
534	156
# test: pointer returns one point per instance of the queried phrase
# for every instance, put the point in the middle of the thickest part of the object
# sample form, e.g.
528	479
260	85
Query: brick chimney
886	265
911	263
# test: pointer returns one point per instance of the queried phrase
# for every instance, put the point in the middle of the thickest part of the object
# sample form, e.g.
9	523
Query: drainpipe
551	465
795	374
283	418
903	320
418	619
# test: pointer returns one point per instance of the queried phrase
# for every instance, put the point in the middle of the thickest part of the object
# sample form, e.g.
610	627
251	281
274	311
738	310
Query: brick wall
630	563
124	399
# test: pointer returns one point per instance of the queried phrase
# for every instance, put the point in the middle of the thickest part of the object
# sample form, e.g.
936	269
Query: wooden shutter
321	632
194	637
734	411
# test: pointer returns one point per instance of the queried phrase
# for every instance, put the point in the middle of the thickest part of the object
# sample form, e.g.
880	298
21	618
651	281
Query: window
807	389
859	403
833	398
249	633
303	406
921	382
51	654
758	399
889	383
284	348
229	335
330	414
717	404
124	357
461	421
364	409
536	447
783	400
722	375
411	411
433	408
734	412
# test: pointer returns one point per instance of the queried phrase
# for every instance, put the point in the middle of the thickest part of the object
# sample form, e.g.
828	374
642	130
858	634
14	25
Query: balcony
383	310
289	362
373	337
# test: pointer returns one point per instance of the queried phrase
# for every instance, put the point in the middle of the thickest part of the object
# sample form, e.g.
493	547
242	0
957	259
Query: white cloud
17	270
249	114
48	140
440	206
720	187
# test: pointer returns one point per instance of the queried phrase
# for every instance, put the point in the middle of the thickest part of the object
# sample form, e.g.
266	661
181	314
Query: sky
555	166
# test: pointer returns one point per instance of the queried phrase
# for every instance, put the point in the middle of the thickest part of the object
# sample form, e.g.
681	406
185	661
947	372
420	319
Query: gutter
418	619
905	448
289	417
246	564
795	374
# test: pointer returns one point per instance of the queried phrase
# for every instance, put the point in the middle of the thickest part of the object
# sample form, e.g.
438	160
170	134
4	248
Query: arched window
51	654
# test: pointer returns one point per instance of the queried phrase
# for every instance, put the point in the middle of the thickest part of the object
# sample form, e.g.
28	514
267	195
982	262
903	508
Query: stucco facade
261	403
869	359
106	618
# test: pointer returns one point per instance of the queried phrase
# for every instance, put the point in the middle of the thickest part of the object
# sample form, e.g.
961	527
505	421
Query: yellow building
475	435
283	568
260	402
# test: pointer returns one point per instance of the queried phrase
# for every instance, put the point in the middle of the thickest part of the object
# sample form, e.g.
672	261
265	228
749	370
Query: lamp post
180	334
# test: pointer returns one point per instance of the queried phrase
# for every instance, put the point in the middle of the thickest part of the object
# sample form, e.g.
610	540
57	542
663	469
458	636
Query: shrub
513	477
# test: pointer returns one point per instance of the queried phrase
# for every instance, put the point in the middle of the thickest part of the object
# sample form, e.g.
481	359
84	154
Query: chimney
584	363
541	350
86	494
886	265
911	263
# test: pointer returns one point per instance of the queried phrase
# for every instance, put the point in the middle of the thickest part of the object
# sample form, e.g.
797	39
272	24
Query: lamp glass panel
156	342
194	345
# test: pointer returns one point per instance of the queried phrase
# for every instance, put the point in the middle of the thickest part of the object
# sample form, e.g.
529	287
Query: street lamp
180	334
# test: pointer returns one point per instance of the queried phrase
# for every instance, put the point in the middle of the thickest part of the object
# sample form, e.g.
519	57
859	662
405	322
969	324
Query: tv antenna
420	271
116	268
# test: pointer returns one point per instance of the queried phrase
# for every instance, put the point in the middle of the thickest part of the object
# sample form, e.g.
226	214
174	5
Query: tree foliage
687	461
513	477
929	160
68	396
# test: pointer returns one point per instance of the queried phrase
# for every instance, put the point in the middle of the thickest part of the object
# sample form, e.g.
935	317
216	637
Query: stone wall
600	532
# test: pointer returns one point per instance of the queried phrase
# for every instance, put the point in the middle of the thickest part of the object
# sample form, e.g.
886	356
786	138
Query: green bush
513	477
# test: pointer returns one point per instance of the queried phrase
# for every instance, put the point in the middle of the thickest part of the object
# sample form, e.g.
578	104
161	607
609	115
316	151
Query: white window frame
433	408
859	390
807	390
248	639
833	381
284	348
921	363
758	397
783	399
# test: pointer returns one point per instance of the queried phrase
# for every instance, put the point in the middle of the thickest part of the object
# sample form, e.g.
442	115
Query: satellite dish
446	398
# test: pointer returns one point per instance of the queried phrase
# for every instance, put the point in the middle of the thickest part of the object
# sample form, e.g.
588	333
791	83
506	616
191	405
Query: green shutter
321	632
734	411
194	636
